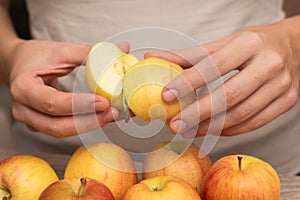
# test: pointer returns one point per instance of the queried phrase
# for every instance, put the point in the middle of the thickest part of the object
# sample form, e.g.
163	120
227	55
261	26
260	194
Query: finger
190	56
74	54
184	57
34	93
61	127
226	96
211	68
252	105
272	111
124	46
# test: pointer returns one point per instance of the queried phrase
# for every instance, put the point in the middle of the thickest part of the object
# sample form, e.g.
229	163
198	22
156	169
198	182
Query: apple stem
5	198
82	187
155	189
240	162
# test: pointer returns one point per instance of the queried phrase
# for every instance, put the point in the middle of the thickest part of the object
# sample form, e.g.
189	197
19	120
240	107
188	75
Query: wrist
290	28
7	49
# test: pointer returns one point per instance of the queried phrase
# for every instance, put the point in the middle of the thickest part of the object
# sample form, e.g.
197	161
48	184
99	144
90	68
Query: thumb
75	54
124	46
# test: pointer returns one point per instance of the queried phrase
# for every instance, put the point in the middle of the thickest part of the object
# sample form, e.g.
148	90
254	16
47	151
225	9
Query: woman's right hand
34	68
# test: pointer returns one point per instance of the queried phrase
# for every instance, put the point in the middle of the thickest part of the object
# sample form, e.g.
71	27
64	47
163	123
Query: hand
265	86
35	67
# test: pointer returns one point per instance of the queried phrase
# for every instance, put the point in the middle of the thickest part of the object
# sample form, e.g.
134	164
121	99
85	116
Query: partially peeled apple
105	67
132	84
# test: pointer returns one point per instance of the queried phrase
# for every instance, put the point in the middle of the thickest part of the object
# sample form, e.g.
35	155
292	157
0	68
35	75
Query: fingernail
99	106
170	95
111	115
178	126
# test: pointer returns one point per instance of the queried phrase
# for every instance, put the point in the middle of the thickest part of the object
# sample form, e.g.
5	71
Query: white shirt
91	21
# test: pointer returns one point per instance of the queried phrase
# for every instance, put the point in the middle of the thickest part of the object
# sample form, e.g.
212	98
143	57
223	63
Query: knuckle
231	95
193	113
258	122
15	90
286	81
254	39
292	97
60	129
244	113
55	129
17	114
276	61
50	106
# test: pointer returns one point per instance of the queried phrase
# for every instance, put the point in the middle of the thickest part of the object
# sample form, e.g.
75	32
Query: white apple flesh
105	66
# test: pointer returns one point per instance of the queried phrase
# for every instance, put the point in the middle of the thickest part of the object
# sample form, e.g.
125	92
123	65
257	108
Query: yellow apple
105	162
162	188
24	177
239	177
177	158
105	67
143	84
77	189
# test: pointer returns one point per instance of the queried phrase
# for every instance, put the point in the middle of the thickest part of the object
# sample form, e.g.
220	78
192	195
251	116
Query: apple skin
162	188
77	189
142	87
24	177
177	158
253	180
105	162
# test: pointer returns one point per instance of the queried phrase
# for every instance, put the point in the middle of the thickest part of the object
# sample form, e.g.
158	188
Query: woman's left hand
265	86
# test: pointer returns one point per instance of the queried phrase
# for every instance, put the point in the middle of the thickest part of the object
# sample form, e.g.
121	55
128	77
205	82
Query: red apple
240	177
24	177
105	162
177	158
162	188
77	189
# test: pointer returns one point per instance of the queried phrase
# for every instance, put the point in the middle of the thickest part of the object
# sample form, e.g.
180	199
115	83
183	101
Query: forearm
8	41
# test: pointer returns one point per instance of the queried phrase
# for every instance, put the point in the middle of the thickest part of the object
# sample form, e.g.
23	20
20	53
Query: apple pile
172	170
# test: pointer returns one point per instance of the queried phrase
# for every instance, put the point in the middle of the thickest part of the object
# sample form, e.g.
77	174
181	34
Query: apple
239	177
105	66
24	177
77	189
132	84
179	158
105	162
162	188
143	84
